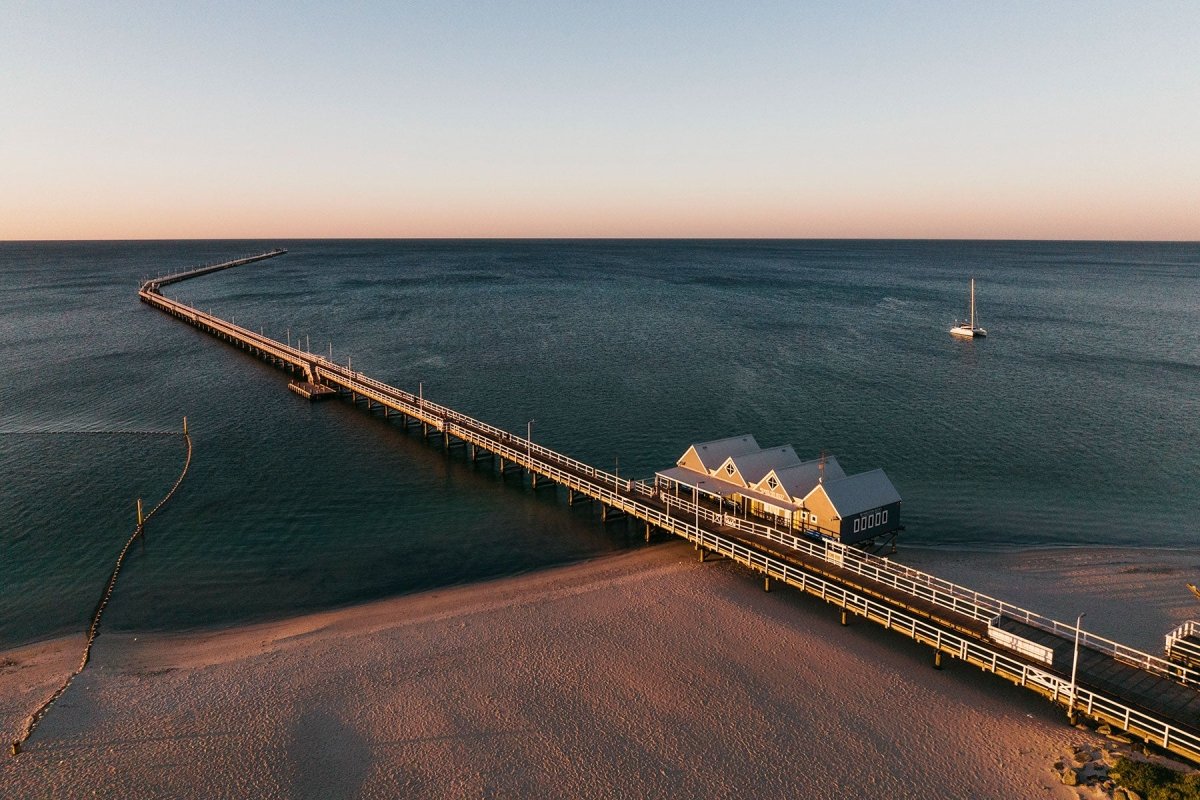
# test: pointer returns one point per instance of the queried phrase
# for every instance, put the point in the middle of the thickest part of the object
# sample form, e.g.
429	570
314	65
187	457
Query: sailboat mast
972	302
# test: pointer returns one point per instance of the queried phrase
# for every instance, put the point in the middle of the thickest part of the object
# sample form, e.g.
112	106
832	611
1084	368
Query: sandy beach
645	674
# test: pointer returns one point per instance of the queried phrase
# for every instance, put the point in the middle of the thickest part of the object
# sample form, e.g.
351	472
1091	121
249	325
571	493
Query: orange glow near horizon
724	214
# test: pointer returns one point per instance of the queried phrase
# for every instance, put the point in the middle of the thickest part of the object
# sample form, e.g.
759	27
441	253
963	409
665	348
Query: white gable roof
713	454
861	492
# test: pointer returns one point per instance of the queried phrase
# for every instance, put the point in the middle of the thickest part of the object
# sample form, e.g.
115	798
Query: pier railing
1182	642
641	501
921	585
941	592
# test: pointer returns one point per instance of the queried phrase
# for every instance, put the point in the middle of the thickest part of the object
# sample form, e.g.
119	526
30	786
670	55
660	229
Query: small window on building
729	469
812	518
773	483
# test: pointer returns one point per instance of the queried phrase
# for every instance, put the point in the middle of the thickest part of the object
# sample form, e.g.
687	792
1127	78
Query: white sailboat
969	330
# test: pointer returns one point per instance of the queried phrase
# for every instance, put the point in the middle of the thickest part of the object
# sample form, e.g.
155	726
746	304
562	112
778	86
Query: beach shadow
329	759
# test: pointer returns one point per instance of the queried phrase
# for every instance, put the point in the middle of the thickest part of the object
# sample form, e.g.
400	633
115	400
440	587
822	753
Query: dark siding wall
870	523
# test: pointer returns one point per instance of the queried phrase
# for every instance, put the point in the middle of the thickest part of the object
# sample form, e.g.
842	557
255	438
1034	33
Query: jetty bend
1153	698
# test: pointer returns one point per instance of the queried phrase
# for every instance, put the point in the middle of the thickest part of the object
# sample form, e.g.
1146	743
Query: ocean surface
1076	422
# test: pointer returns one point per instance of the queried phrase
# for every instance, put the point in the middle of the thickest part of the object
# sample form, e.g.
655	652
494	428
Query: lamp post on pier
1074	669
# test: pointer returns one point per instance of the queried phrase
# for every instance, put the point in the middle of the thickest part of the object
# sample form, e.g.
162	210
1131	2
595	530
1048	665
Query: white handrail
915	582
593	482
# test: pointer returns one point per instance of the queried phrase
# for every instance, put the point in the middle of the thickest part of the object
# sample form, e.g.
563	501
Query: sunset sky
537	119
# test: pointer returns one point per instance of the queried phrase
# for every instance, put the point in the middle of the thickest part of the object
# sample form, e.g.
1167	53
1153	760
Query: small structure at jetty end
311	391
815	496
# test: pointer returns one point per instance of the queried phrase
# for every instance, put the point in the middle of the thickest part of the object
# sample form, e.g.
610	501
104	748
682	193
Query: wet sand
645	674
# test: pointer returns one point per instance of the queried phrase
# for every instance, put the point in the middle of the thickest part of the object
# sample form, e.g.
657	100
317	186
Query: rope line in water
94	629
88	433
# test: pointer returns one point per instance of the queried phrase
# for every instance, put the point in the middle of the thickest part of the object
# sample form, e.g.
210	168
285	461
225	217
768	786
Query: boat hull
967	332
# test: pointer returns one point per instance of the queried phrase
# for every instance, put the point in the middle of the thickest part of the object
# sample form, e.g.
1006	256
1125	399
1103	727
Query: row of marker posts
94	629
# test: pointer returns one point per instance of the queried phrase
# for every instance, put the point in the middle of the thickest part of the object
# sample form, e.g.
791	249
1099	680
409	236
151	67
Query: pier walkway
1145	695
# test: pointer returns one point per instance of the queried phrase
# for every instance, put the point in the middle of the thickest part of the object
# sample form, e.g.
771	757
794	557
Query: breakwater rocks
1122	769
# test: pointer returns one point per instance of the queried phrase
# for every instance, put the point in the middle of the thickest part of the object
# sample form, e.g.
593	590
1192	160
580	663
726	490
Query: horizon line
599	239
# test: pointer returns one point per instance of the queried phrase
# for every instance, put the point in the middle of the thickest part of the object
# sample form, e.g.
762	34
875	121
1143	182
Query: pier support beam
845	617
767	583
648	532
937	659
608	513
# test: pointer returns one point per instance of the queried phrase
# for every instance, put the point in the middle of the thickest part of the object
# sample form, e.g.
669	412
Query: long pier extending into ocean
1150	697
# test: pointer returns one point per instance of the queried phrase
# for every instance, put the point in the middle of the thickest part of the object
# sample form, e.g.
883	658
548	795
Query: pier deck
1148	696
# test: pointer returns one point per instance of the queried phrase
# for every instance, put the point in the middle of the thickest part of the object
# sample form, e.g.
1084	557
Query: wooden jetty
312	391
1153	698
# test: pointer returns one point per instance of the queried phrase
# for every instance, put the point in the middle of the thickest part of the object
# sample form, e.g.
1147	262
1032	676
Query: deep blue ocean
1076	422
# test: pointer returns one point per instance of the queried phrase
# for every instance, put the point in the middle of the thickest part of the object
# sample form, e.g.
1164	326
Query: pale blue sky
608	119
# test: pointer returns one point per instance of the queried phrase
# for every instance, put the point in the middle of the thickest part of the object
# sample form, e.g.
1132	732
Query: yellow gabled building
816	496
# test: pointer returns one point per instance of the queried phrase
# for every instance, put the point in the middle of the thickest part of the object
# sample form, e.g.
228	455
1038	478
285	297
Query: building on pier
815	496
